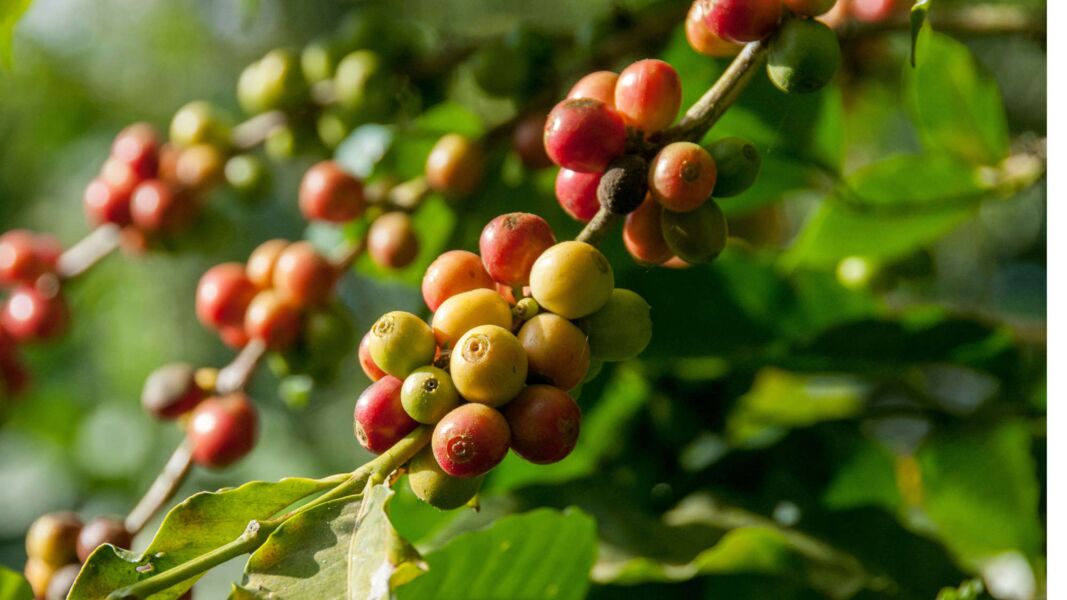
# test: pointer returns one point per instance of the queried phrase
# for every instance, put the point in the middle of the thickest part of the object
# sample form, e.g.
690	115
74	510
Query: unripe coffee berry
32	313
810	8
328	193
199	122
260	265
455	165
527	141
470	440
624	184
510	244
360	84
682	176
432	485
380	420
272	82
53	538
302	276
702	39
157	207
200	167
742	21
737	162
545	422
584	135
804	56
272	320
622	329
452	273
222	430
598	85
400	342
171	391
488	365
576	193
327	334
100	531
463	312
429	394
138	146
247	175
366	362
223	295
556	350
642	234
392	241
572	279
648	95
104	203
697	236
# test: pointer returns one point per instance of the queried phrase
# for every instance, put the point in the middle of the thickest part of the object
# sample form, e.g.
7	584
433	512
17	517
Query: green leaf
539	555
13	586
450	117
200	524
867	478
378	559
918	19
919	182
10	12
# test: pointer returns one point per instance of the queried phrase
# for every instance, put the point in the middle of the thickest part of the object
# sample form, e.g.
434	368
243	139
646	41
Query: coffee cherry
510	244
622	329
642	233
544	422
697	236
328	193
302	276
362	85
584	135
260	265
199	122
455	165
648	95
39	574
171	391
742	21
701	38
20	259
624	184
598	85
327	334
200	167
318	60
247	175
53	538
158	208
270	83
366	362
528	142
223	295
138	146
432	485
31	314
454	272
380	420
467	310
100	531
488	365
106	204
61	582
572	279
429	394
556	349
873	11
682	176
737	162
271	319
576	193
222	430
392	241
470	440
809	8
804	56
400	342
120	176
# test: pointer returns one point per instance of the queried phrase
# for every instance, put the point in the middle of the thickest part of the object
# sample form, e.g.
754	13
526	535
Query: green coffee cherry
437	488
280	143
363	86
200	122
804	56
596	365
332	128
318	60
248	176
328	335
428	394
400	342
738	163
273	82
622	329
698	236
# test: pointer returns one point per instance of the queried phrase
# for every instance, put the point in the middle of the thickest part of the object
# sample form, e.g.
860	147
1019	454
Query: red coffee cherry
702	39
455	165
528	141
100	531
53	538
271	319
742	21
223	295
260	265
138	146
222	430
366	361
682	176
328	193
380	419
234	336
454	272
643	234
544	422
584	135
873	11
158	207
470	440
171	391
392	241
576	193
120	176
598	85
23	257
510	244
648	95
809	8
30	314
556	349
302	276
14	377
48	251
104	203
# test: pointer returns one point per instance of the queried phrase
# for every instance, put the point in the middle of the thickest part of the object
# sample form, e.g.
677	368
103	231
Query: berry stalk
162	489
93	248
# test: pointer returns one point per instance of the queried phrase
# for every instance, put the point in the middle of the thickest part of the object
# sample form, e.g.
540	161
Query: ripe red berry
120	176
576	193
106	204
272	320
584	135
470	440
21	257
510	244
454	272
598	85
643	234
302	276
223	295
138	146
158	207
873	11
171	391
366	361
223	430
682	176
328	193
30	314
742	21
100	531
648	95
701	38
455	165
380	419
528	141
392	241
234	336
260	265
544	422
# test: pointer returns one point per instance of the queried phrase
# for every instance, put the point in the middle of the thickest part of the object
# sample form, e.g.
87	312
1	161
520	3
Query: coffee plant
652	299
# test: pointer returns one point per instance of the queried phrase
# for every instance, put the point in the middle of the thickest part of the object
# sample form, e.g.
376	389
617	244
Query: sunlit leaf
10	12
13	586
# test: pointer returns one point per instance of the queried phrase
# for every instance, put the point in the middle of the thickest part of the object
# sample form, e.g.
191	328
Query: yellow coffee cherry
488	365
465	311
572	279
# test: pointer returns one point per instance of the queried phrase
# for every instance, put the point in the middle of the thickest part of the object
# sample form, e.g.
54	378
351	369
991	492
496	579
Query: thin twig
80	257
235	376
163	488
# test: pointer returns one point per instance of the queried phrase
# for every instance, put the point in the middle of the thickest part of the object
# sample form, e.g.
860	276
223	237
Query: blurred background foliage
849	403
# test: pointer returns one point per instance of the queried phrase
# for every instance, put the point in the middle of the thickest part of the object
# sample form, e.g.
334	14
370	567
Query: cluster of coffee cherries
58	543
514	333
